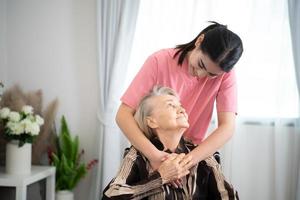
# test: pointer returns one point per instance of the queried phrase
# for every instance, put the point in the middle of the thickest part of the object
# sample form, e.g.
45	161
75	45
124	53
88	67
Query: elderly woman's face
167	113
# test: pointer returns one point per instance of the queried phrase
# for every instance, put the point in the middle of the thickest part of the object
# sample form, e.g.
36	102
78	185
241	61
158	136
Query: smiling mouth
182	116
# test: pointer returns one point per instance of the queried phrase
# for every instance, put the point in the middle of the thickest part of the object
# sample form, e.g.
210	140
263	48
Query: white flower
26	124
39	120
31	127
35	129
4	112
14	116
11	125
15	127
19	129
27	109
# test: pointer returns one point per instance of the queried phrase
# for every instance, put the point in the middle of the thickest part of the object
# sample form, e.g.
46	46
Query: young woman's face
200	64
167	113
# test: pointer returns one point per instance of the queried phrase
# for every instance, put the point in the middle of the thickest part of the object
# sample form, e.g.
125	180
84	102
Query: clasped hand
174	167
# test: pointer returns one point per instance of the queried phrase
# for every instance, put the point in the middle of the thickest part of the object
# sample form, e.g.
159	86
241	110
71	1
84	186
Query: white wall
3	58
52	45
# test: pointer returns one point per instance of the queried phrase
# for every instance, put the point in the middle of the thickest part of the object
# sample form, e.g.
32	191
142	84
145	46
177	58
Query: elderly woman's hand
173	169
186	163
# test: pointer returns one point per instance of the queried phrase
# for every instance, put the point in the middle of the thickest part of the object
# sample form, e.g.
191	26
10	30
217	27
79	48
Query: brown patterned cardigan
137	180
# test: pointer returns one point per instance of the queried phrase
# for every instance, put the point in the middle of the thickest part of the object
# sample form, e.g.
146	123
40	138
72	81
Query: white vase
18	159
64	195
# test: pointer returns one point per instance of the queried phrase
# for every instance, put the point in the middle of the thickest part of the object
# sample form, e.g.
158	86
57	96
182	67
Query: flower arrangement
69	167
22	126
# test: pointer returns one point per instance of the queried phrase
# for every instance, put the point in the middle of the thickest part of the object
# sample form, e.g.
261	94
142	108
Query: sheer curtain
262	159
294	14
116	20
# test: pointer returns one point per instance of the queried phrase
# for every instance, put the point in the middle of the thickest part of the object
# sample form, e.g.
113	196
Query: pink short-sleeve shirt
197	95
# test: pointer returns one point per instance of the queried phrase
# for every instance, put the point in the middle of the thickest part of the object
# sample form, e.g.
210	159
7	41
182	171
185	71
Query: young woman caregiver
201	72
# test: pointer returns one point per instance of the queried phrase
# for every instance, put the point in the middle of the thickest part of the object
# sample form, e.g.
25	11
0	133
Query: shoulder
229	76
212	162
162	57
167	53
132	154
228	80
164	61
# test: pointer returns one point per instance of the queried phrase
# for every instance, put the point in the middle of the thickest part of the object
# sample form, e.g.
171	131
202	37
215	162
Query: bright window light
266	77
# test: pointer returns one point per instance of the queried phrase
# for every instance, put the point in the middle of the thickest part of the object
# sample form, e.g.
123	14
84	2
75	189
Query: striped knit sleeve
128	184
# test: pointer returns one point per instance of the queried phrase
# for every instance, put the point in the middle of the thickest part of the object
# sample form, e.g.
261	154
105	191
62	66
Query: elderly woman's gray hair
144	108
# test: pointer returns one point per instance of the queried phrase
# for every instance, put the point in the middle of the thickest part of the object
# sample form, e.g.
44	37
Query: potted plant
67	160
20	130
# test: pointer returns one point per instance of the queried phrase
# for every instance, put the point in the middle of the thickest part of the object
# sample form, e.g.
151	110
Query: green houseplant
67	160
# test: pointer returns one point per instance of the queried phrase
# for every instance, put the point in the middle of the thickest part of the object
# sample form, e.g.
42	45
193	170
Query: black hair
221	45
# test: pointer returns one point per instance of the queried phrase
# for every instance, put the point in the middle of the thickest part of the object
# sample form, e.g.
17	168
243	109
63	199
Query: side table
20	182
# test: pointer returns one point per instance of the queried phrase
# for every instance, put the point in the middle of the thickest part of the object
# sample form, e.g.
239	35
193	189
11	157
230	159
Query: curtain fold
116	21
294	19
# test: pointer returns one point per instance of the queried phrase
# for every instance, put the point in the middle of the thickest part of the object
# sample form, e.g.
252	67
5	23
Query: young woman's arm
225	130
226	106
129	127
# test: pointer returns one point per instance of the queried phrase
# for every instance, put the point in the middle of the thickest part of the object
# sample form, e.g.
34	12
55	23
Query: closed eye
200	65
211	74
171	105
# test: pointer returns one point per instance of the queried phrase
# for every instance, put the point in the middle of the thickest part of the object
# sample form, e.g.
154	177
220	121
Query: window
266	78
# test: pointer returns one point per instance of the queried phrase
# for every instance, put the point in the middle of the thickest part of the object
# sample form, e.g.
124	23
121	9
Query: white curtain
294	14
116	21
262	159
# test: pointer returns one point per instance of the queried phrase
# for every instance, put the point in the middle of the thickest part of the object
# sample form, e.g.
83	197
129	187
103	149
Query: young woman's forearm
129	127
217	138
211	144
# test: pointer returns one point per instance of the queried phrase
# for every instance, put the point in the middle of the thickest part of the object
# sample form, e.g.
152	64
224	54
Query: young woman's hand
157	159
187	161
172	169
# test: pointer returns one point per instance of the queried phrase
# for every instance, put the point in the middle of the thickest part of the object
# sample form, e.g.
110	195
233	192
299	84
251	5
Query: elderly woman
163	120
